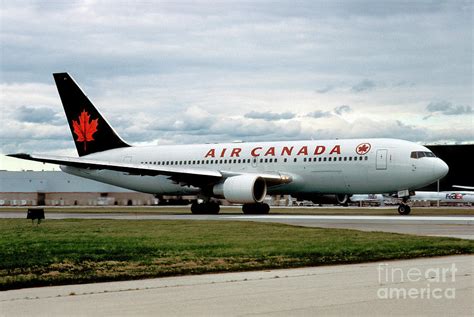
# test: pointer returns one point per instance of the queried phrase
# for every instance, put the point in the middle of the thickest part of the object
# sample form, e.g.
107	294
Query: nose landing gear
404	209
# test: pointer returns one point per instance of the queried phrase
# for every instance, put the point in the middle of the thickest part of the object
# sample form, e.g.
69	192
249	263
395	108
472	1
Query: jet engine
243	189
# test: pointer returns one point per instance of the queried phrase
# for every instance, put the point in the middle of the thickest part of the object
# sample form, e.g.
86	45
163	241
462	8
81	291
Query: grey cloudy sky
212	71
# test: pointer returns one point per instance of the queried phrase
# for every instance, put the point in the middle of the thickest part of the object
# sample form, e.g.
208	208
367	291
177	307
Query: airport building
55	188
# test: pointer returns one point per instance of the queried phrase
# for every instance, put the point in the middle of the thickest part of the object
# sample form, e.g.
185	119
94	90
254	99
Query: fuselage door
381	160
254	162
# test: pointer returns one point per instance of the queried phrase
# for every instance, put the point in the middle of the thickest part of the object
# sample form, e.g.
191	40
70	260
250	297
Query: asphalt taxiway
446	226
368	289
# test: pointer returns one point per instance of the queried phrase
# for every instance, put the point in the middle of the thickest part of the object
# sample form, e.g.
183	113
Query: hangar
55	188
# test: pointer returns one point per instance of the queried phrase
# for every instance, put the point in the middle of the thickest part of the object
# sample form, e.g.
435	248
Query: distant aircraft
241	173
445	196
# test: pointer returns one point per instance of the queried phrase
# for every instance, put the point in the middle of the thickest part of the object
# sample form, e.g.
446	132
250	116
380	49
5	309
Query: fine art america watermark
416	283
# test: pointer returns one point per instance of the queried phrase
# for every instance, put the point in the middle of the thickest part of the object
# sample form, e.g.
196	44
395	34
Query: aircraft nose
440	168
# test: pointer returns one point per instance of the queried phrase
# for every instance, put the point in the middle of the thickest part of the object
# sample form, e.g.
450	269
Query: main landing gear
206	208
256	209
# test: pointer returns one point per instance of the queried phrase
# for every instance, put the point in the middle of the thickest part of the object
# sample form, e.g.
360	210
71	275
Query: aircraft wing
464	187
183	175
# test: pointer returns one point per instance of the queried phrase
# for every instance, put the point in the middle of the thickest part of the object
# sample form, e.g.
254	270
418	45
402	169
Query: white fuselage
316	166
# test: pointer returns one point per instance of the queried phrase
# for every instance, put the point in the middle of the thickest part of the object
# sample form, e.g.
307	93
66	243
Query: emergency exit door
381	161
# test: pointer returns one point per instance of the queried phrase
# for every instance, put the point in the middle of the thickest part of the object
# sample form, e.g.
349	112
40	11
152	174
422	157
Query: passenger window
285	160
304	159
295	159
366	158
340	158
329	159
325	159
345	158
276	160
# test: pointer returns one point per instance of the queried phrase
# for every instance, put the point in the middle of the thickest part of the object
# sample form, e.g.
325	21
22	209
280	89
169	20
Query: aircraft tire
404	210
209	208
195	208
256	209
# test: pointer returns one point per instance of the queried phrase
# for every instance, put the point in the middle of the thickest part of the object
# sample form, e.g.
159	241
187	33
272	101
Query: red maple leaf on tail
85	129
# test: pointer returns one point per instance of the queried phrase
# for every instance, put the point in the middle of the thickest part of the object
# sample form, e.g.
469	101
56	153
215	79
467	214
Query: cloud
339	110
269	116
325	89
44	115
342	109
319	114
364	85
447	108
185	72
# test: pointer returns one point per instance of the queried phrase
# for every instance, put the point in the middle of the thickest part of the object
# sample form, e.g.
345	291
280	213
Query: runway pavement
447	226
409	287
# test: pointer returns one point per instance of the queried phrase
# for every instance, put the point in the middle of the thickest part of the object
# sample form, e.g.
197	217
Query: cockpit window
420	154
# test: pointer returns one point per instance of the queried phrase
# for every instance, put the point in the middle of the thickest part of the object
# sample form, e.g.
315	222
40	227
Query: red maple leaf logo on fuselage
363	148
84	129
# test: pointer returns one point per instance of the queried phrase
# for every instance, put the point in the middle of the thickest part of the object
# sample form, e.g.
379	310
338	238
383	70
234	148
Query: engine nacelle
242	189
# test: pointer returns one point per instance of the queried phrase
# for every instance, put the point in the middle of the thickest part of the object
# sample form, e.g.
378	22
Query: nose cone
440	168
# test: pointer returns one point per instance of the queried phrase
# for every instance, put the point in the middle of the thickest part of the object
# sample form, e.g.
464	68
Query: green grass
79	251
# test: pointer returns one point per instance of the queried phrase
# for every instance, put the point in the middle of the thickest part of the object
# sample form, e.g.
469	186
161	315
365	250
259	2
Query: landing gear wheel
256	209
209	208
404	209
195	208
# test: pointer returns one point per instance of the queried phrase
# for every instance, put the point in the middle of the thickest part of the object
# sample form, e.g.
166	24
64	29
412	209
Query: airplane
464	197
445	196
241	173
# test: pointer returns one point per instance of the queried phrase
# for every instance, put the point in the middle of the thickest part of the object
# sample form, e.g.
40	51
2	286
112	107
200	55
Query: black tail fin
90	130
